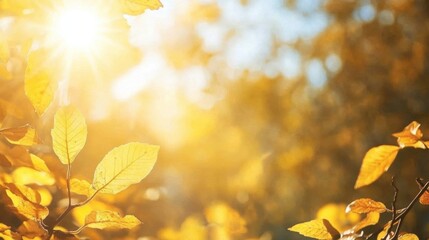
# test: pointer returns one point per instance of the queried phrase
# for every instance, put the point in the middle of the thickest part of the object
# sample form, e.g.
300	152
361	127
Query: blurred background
263	111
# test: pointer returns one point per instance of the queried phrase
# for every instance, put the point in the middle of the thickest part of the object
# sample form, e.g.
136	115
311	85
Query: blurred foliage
256	150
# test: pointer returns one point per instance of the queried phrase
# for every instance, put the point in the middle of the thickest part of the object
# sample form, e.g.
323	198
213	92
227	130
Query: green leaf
69	133
124	165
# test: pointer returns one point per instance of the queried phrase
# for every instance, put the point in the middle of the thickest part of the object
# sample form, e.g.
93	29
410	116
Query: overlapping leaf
24	135
366	205
318	229
108	219
410	136
376	161
124	165
81	187
136	7
371	218
17	202
69	133
39	81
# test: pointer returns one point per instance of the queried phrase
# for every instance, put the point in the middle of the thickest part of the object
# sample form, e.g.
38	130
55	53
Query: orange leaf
370	219
23	135
376	161
408	236
410	136
318	229
366	205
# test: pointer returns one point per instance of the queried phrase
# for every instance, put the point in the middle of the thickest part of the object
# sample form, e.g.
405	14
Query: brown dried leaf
376	161
366	205
318	229
408	236
410	136
370	219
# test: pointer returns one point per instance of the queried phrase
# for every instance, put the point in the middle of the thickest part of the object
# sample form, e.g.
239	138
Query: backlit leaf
410	136
69	133
408	236
25	176
24	207
366	205
108	219
38	81
39	164
315	229
30	229
376	161
124	165
24	135
370	219
81	187
136	7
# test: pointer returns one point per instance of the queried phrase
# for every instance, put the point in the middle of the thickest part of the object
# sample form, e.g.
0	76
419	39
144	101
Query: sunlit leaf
383	233
109	219
336	215
38	81
25	176
69	133
45	196
38	163
30	229
370	219
410	136
79	214
318	229
124	165
21	205
25	192
366	205
376	161
136	7
9	235
81	187
24	135
408	236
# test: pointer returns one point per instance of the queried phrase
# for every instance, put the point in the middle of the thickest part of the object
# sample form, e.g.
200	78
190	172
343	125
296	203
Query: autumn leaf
137	7
17	202
24	135
366	205
318	229
376	161
124	165
31	229
370	219
38	81
408	236
410	136
109	219
39	164
25	176
81	187
69	133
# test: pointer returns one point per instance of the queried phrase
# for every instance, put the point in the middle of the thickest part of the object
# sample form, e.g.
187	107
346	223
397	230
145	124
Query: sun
77	27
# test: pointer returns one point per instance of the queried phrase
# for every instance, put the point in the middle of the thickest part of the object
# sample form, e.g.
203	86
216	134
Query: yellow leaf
370	219
21	205
38	82
108	219
79	214
408	236
24	135
317	229
30	229
137	7
25	176
124	165
69	133
376	161
81	187
336	215
3	227
39	164
366	205
410	136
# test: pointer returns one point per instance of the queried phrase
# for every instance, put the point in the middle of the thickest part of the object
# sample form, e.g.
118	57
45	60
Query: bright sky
255	27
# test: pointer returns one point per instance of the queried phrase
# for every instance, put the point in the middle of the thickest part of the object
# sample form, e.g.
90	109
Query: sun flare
77	28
